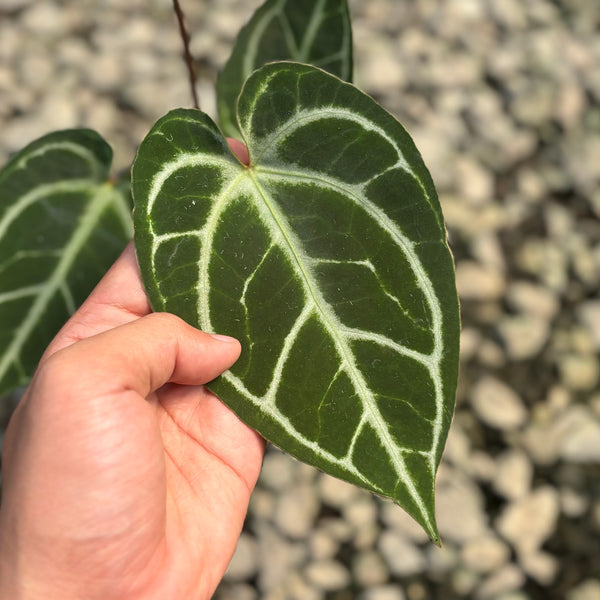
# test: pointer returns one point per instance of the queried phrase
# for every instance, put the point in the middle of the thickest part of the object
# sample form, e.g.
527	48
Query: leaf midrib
365	394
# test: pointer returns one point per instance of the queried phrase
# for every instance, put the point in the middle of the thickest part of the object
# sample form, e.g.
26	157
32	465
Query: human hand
123	477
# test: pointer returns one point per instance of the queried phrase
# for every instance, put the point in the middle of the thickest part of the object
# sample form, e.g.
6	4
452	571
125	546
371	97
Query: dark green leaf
62	224
327	259
317	32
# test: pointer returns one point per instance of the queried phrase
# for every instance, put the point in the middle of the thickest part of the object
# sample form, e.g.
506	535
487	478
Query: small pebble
327	575
497	405
513	475
528	522
402	557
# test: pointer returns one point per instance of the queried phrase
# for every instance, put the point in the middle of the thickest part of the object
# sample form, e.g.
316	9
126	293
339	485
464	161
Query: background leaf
317	32
62	224
327	258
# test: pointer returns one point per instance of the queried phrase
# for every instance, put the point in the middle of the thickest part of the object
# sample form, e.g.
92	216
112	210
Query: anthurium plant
325	253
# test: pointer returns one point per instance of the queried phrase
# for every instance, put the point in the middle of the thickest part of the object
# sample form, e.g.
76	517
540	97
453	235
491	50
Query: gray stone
235	591
244	563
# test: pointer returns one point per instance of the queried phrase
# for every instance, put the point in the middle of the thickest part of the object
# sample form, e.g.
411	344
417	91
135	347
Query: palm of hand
144	493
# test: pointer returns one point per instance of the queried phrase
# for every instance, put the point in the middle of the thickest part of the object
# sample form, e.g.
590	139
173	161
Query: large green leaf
327	258
317	32
62	224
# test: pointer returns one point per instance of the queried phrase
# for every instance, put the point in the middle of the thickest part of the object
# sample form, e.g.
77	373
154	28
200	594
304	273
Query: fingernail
222	338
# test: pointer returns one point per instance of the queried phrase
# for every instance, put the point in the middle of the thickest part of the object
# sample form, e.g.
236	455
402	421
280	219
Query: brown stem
186	52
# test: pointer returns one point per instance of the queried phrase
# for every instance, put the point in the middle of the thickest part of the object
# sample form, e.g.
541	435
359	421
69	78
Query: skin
123	477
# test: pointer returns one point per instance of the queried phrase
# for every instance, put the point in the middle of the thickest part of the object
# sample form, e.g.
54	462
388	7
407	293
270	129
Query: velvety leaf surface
327	259
62	224
317	32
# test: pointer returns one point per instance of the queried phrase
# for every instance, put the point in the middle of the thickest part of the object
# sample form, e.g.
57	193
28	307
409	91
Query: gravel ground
503	99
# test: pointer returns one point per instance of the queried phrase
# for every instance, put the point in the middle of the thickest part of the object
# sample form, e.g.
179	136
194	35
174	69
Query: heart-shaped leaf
327	258
62	224
317	32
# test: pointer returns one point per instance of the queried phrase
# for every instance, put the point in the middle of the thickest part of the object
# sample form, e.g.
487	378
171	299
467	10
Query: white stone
589	315
278	470
362	516
497	405
337	528
369	569
528	522
476	282
335	492
581	443
475	183
458	446
295	587
284	558
573	504
470	341
402	557
486	248
361	513
579	372
540	566
441	561
532	299
523	335
485	554
383	592
506	579
296	511
459	507
329	575
587	590
322	544
513	475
